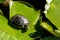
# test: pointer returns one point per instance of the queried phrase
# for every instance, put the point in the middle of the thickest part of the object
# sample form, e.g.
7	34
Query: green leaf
9	33
53	13
6	32
51	28
28	12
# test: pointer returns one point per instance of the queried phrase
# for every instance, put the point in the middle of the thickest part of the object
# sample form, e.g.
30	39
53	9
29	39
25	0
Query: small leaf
50	27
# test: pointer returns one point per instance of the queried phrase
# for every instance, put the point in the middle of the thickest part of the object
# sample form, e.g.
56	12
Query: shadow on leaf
15	27
5	9
45	19
40	32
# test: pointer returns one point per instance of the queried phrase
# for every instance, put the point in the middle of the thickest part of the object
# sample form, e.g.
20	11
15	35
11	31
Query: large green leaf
7	32
53	17
53	13
29	13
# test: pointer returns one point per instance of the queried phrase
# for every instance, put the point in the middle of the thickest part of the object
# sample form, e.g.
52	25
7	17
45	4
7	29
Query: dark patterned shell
19	20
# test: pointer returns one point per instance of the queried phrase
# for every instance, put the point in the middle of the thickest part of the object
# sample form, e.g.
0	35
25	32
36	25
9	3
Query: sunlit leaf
53	16
10	33
54	13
